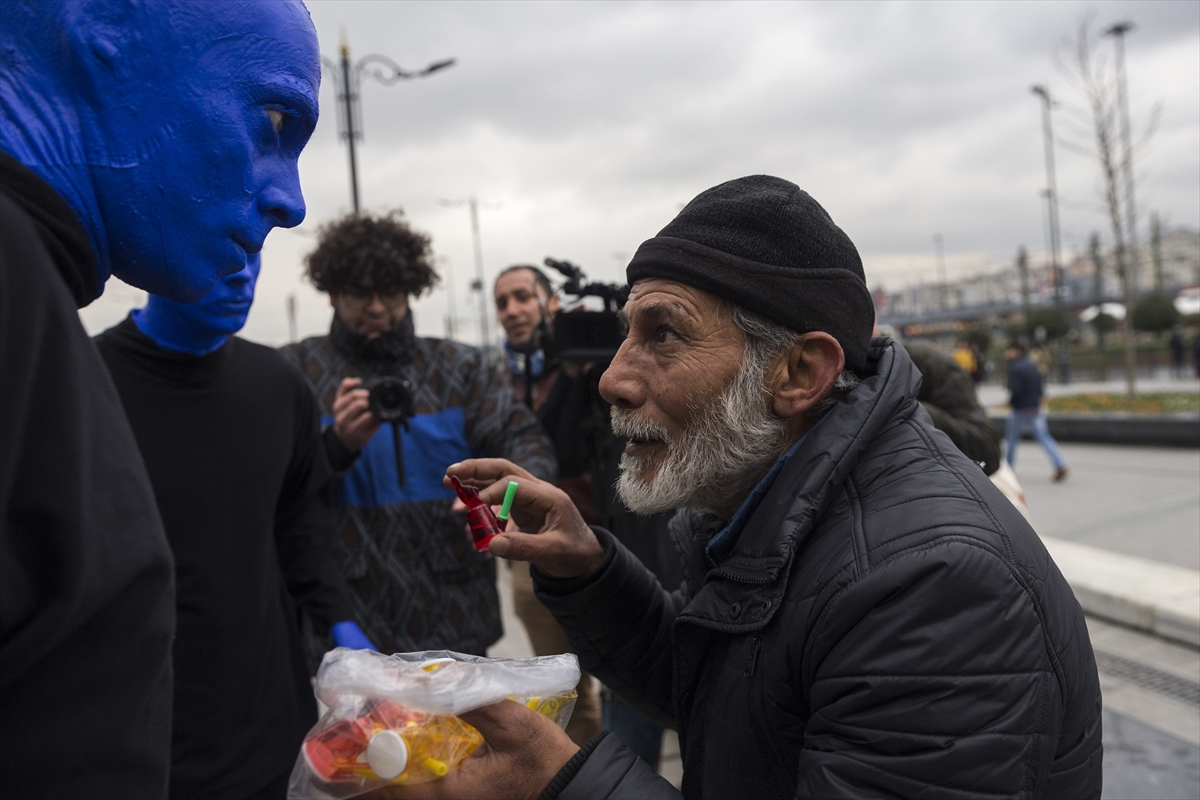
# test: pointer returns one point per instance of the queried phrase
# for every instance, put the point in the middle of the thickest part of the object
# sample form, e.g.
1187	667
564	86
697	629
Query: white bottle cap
387	754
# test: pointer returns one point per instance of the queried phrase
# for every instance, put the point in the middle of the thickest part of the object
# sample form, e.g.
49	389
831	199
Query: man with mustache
864	613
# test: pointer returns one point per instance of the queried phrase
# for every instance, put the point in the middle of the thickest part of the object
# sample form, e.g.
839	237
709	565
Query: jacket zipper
762	731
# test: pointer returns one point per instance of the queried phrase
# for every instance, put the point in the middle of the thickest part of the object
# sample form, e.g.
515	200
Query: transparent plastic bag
394	719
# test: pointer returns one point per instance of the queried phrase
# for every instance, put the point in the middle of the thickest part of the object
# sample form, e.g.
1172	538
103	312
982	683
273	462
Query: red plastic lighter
483	522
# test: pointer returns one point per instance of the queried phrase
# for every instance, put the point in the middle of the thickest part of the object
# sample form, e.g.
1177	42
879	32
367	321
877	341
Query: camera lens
391	399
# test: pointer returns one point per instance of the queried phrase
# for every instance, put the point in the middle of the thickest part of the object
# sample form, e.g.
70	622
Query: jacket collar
754	575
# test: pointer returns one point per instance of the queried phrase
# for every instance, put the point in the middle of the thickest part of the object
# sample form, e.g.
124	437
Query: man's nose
282	201
620	384
376	306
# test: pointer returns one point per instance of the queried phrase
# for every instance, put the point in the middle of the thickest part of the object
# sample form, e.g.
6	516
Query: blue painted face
174	128
203	326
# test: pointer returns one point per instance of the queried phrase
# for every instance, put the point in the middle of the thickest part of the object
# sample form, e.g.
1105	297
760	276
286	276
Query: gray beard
721	455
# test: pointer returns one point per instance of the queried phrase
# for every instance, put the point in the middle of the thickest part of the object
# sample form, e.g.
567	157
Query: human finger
355	398
347	384
483	471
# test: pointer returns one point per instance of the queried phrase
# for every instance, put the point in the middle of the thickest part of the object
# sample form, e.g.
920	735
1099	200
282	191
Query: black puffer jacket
887	625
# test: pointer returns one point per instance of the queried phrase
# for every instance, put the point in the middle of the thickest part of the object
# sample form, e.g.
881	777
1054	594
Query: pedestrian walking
1025	391
1178	354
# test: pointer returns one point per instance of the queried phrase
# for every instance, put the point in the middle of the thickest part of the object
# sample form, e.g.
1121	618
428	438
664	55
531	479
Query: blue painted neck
172	331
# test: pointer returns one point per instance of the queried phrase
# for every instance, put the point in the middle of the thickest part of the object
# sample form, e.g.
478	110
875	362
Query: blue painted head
203	326
173	127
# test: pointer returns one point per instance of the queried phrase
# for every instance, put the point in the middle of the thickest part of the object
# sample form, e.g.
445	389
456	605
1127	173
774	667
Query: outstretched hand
522	751
551	534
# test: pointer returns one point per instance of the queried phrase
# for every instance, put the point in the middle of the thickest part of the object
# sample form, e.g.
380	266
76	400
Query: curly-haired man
418	583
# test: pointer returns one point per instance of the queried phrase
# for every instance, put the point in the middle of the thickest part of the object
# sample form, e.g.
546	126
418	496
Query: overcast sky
584	127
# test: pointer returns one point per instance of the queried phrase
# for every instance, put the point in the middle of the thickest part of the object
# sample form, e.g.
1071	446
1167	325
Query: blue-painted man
231	438
418	583
157	142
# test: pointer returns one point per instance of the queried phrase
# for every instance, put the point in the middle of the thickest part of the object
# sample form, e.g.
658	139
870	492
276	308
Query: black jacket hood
58	227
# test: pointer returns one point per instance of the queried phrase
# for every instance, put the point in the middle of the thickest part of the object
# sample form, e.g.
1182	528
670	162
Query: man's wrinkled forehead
659	300
255	37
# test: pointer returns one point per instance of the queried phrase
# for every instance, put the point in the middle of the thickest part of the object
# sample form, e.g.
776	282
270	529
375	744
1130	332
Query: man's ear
804	372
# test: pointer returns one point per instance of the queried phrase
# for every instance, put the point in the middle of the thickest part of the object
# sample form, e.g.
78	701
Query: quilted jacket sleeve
931	677
618	622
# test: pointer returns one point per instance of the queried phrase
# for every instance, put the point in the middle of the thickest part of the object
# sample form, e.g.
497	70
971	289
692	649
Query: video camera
581	337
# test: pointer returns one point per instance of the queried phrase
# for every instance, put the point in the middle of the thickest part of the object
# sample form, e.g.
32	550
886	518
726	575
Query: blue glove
348	634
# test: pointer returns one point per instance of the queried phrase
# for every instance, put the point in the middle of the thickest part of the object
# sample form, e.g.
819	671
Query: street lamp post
347	78
1064	364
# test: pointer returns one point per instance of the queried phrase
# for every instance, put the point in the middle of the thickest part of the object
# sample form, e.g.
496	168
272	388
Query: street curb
1162	599
1166	430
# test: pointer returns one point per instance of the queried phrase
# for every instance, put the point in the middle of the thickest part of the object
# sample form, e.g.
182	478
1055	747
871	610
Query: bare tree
1097	80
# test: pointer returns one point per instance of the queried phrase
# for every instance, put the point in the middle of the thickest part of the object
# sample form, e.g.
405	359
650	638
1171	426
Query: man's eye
276	119
665	334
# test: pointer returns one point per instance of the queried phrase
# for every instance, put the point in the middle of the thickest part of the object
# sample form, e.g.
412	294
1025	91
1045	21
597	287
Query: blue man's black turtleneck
232	443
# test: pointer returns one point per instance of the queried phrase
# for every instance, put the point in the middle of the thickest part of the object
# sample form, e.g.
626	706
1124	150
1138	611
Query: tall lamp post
1064	363
347	77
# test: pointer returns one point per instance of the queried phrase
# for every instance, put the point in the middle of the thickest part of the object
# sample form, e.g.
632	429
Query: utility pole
1156	251
291	316
452	316
940	252
484	311
1023	271
347	77
1064	363
479	284
1118	32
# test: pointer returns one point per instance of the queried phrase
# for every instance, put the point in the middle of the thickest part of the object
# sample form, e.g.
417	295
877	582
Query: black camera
581	337
391	399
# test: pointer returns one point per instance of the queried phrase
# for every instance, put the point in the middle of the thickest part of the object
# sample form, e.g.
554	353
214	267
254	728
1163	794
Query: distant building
999	290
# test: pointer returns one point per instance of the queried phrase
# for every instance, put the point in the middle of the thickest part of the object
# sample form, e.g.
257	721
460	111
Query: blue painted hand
348	634
173	129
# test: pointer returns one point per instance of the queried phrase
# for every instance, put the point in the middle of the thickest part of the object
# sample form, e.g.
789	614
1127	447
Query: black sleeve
340	458
87	593
606	768
618	621
306	524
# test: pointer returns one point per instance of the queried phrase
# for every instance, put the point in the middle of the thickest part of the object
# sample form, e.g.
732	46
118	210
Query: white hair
730	445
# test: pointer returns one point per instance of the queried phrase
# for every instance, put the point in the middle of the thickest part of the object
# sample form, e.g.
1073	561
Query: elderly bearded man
864	613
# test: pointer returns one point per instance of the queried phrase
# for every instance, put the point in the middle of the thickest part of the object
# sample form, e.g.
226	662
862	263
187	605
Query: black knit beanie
764	244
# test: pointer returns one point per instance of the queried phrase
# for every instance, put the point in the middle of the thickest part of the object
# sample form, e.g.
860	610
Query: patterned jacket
418	582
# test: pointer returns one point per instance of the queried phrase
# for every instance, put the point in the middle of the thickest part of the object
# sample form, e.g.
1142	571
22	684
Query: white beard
721	455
